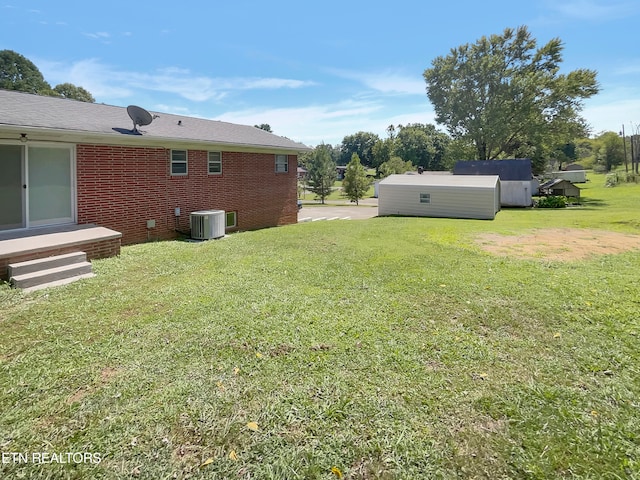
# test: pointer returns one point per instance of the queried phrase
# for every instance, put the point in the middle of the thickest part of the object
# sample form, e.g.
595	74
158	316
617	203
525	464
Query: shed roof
48	114
554	182
488	181
518	169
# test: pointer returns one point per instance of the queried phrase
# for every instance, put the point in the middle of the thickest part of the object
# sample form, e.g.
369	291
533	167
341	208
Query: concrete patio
23	245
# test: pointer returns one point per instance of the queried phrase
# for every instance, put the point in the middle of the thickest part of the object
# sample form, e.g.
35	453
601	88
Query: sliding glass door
49	186
36	186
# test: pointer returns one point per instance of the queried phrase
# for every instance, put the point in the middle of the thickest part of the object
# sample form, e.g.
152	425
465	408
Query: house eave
39	134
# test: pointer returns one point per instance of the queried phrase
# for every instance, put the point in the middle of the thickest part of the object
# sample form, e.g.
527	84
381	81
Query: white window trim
425	198
286	163
172	162
210	162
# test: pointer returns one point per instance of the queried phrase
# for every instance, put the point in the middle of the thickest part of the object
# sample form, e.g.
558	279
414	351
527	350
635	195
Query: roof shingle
26	110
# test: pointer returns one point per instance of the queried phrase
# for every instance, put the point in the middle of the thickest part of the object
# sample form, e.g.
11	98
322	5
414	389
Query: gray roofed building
560	186
516	179
59	118
518	169
67	164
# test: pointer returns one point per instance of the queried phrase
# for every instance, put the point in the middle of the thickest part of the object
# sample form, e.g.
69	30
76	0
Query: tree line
19	73
417	146
503	96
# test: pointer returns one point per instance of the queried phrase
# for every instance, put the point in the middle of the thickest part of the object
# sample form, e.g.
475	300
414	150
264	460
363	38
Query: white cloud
97	35
105	81
387	82
160	107
269	83
395	83
311	124
632	67
314	124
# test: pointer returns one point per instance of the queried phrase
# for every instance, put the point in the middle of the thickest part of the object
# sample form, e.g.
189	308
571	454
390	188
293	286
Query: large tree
417	143
361	143
506	95
321	172
69	90
382	151
395	165
608	151
422	145
19	73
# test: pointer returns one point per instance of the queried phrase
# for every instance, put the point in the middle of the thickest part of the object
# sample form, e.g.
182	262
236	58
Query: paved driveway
366	209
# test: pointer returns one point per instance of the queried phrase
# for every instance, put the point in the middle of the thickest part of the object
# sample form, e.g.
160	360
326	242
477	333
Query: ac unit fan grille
207	224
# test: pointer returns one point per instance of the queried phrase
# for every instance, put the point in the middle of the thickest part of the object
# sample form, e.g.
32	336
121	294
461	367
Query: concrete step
50	271
30	266
57	283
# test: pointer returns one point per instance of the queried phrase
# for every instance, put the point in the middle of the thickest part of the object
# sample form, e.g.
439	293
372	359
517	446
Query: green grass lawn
389	348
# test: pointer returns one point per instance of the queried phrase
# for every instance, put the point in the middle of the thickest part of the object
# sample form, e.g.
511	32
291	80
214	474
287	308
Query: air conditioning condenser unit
207	224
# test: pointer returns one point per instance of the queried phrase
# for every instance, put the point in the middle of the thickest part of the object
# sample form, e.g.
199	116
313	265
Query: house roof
72	120
442	180
508	170
574	166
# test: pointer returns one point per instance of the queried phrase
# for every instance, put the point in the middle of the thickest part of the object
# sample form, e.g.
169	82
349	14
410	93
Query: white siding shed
454	196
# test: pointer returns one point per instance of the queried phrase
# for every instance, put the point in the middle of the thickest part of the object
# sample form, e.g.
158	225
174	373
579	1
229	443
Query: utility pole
633	153
624	145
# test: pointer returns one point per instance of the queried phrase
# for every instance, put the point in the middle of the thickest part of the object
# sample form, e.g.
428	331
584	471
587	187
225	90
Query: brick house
64	162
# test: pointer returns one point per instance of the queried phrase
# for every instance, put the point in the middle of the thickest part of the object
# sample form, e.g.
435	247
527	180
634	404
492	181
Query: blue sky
314	71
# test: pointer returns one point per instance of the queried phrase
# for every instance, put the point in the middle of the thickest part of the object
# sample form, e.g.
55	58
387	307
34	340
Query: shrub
611	180
552	201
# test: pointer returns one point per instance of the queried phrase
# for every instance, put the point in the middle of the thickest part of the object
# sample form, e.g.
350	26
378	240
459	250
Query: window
215	163
282	164
425	198
178	162
231	219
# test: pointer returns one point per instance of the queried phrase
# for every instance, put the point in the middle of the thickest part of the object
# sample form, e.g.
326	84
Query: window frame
211	162
278	156
226	219
173	161
425	198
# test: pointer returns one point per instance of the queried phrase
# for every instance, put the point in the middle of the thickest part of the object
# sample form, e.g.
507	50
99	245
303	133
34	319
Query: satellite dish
139	116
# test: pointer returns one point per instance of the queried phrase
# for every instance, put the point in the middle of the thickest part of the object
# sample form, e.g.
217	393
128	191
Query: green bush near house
552	201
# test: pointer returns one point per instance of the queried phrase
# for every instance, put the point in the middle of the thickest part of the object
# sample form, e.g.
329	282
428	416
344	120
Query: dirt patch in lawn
561	244
106	375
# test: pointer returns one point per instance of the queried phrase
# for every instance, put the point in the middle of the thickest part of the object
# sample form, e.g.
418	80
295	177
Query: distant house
64	162
517	184
559	186
574	166
453	196
574	176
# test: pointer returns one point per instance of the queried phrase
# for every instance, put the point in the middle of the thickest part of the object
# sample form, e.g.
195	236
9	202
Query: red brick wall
123	187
